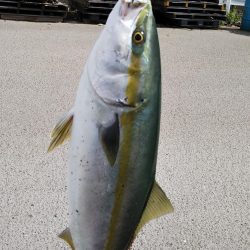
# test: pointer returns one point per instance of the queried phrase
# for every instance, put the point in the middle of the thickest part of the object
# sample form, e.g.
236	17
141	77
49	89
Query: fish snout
126	5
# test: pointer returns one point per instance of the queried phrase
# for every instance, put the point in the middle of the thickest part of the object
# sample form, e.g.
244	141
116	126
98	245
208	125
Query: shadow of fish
114	128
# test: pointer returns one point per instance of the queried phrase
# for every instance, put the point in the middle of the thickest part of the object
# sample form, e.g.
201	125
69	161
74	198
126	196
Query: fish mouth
126	5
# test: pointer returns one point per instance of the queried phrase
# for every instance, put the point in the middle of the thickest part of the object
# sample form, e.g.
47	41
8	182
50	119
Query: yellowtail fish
113	129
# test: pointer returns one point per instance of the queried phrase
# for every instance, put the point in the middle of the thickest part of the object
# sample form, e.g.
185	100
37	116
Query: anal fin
61	131
158	204
66	235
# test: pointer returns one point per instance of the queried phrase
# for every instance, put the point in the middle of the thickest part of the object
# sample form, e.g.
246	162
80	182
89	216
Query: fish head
124	66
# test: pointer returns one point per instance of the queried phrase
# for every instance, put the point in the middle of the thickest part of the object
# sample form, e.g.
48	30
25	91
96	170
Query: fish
113	130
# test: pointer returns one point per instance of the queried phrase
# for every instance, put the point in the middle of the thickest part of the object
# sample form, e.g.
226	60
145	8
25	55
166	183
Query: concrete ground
204	151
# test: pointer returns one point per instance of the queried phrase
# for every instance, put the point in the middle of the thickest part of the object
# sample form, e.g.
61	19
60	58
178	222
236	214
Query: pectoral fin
62	131
157	205
66	235
109	137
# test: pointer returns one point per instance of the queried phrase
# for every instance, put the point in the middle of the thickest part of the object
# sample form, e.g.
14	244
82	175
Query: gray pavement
204	151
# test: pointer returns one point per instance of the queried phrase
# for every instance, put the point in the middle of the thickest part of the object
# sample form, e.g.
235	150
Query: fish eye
138	37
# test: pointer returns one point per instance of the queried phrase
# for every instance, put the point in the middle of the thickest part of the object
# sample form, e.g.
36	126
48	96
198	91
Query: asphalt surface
204	150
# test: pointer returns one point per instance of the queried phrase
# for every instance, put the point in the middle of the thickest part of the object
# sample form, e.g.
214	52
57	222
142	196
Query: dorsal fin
61	131
66	235
158	204
110	137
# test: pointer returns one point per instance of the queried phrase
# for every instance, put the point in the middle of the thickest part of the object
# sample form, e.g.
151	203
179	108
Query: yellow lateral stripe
133	82
127	121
